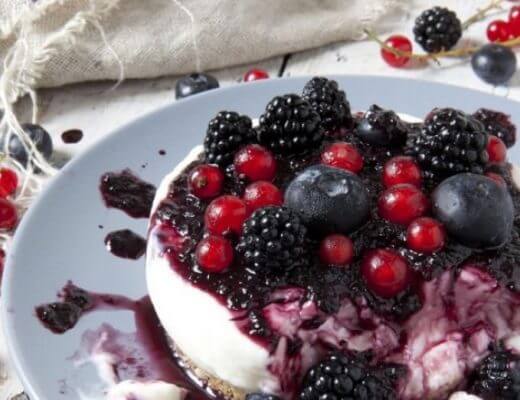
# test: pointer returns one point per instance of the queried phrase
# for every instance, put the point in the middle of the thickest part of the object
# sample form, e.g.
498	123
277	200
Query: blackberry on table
497	377
274	239
226	134
329	101
449	143
290	126
437	29
498	124
350	377
382	127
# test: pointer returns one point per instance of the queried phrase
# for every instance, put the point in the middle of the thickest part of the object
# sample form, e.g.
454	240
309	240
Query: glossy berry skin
344	156
498	31
255	163
255	75
497	150
214	254
261	194
475	210
193	84
206	181
38	135
8	215
514	21
398	42
386	273
425	235
401	169
403	203
336	250
497	178
494	64
8	182
224	215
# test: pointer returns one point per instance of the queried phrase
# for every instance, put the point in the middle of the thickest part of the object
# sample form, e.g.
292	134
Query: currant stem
482	13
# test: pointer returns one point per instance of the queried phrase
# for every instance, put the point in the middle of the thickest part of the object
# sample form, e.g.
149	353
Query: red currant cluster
8	186
502	31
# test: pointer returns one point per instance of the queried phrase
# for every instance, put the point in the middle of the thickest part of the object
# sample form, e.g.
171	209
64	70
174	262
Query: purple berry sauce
125	244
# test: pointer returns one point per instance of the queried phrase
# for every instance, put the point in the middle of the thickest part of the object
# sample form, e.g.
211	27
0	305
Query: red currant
8	182
225	214
214	254
262	194
336	250
398	42
497	178
425	235
255	163
401	204
8	214
496	149
514	21
206	181
498	31
344	156
401	170
385	272
255	75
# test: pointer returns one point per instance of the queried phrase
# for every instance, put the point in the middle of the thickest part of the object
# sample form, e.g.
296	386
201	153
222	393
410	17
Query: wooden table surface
97	108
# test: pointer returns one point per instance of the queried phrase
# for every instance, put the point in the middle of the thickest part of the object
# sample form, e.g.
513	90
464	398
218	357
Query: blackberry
290	126
329	101
449	143
437	29
498	124
497	377
274	239
350	377
382	127
226	134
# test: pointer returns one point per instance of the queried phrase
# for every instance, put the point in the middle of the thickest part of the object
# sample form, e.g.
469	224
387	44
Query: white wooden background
96	109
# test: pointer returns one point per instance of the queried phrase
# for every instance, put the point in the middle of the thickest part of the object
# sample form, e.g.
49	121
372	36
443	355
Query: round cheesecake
267	326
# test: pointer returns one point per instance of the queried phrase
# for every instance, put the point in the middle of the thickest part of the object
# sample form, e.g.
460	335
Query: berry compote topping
262	194
425	235
255	163
336	250
206	181
344	156
401	204
225	214
127	192
125	244
214	253
402	169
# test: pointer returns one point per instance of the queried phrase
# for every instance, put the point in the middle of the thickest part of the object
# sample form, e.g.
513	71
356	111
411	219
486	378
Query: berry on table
425	235
39	137
262	194
336	249
403	203
344	156
8	182
475	210
401	169
255	75
206	181
499	31
400	43
497	178
437	29
329	101
386	273
261	396
494	64
195	83
382	127
226	134
214	254
274	240
497	150
8	215
256	163
328	200
497	123
290	125
225	214
514	21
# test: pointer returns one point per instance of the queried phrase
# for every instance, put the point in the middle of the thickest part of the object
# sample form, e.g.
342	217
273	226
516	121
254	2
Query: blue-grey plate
59	239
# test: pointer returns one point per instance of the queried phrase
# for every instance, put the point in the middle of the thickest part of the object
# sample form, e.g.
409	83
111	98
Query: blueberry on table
494	63
475	210
329	200
195	83
261	396
39	136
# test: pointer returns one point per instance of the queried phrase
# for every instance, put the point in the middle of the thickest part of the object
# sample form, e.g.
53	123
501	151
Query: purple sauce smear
125	244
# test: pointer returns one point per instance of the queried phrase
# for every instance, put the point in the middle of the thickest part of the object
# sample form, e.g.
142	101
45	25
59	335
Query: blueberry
329	200
381	127
39	136
494	63
261	396
475	210
195	83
